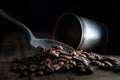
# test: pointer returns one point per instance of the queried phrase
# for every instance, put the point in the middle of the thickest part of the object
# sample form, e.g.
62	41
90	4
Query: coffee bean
108	64
57	67
63	52
91	57
116	63
79	61
38	57
47	61
89	70
102	65
52	52
62	59
41	67
41	48
98	57
80	65
48	65
111	59
85	61
55	61
78	52
22	67
48	71
61	63
74	63
96	63
39	73
32	67
81	71
67	57
83	55
57	47
65	68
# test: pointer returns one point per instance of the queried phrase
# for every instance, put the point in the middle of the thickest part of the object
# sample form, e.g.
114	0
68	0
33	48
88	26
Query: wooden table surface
15	44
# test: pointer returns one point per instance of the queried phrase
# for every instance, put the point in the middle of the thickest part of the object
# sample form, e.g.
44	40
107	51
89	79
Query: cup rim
81	25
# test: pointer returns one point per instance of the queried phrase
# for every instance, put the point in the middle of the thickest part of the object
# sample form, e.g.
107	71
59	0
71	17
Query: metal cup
80	32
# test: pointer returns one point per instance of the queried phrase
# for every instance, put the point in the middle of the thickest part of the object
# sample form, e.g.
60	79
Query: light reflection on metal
88	34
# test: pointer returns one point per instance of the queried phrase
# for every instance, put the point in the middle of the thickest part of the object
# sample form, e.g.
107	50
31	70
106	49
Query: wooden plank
16	45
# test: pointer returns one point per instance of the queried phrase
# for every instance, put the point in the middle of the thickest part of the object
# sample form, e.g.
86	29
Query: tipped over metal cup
80	32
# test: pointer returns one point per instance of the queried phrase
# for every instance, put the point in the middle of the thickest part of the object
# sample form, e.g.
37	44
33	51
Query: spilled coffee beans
78	61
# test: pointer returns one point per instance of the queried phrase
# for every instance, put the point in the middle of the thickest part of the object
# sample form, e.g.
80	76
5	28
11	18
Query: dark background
41	15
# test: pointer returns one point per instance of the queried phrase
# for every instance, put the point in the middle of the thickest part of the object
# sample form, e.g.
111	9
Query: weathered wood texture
15	44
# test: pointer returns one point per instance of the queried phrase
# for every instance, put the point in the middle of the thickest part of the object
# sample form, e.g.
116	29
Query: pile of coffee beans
77	61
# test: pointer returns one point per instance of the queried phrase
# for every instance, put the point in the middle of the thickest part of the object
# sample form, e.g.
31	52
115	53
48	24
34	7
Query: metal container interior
80	32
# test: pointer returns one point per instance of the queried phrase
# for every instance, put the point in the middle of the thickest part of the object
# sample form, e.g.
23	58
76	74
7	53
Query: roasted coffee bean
22	67
102	65
41	48
74	63
62	59
111	59
39	73
42	62
82	59
57	67
80	65
41	67
74	53
108	64
81	71
83	55
79	58
96	63
67	66
116	63
57	47
78	52
91	57
52	52
67	57
55	61
64	68
76	60
33	67
48	65
48	71
38	57
61	63
89	70
84	52
63	52
47	61
85	61
98	57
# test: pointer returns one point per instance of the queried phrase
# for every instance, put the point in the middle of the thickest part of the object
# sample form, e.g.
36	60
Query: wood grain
15	44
